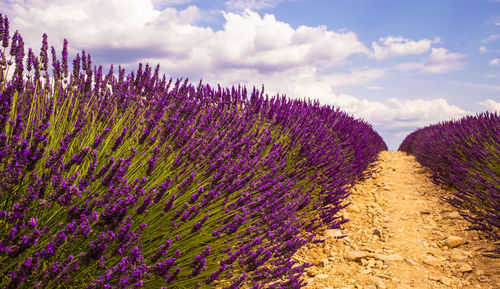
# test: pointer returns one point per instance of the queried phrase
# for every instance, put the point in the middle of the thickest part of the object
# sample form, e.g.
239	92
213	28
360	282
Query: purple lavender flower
5	43
198	264
65	58
76	66
119	139
31	59
1	27
19	275
44	57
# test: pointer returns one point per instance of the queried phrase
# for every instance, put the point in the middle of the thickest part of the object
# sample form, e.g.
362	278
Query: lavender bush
465	155
139	181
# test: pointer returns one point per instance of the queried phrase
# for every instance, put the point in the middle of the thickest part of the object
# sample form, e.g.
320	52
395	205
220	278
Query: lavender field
136	180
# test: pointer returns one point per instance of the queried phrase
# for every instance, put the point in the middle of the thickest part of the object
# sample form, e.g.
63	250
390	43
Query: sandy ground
401	235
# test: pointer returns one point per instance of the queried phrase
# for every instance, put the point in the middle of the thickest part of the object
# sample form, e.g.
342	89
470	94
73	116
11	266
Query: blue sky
397	64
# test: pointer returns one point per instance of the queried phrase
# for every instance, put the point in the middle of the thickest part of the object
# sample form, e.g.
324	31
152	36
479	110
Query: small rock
381	285
323	262
354	207
356	255
350	243
425	212
377	232
454	241
377	282
322	276
459	255
368	249
482	278
333	233
394	257
465	268
312	272
389	258
383	276
367	271
438	233
370	263
431	261
453	215
445	280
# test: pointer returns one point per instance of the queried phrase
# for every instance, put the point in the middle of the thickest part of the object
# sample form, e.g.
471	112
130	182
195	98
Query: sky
399	65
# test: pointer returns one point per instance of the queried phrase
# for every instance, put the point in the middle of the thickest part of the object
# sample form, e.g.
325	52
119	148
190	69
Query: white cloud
116	29
439	61
374	87
492	38
171	16
249	41
420	112
490	105
252	4
483	49
494	62
158	3
398	46
357	76
480	86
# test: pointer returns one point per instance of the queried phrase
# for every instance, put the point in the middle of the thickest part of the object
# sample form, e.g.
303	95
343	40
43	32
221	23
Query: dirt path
401	235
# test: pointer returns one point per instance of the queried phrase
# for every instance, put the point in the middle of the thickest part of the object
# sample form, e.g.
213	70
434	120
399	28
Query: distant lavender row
139	181
465	154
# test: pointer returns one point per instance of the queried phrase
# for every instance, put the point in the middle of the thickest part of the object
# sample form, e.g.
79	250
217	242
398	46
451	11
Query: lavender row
135	181
465	155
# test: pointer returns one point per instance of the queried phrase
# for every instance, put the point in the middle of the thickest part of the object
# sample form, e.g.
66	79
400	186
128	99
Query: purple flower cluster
139	181
465	155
